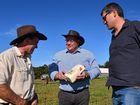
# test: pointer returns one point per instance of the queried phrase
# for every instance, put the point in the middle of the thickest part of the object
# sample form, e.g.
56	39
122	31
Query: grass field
99	94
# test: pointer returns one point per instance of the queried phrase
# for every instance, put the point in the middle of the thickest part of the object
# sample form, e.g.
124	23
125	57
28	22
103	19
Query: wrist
56	77
21	101
86	74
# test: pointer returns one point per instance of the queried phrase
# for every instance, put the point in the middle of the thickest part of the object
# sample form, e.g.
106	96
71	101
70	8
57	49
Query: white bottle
74	72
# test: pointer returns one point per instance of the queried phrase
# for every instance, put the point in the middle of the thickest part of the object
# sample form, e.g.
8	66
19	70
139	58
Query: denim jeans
126	95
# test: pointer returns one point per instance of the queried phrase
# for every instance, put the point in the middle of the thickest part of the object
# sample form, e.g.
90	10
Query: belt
119	87
34	98
75	91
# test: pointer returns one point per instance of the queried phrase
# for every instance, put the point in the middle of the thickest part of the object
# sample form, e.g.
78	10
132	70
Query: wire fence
48	92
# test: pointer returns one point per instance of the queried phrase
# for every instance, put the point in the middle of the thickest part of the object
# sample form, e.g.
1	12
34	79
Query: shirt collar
126	24
18	53
76	51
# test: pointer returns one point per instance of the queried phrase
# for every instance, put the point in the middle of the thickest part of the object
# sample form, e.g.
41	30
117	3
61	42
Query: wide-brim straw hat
27	31
74	33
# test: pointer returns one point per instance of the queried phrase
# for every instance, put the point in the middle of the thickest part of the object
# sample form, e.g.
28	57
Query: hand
83	75
34	102
23	102
61	76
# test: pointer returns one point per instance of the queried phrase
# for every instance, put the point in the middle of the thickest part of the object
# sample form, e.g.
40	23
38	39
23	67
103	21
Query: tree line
44	69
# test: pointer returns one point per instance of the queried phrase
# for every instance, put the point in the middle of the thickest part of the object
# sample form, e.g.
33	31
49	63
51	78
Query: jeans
126	95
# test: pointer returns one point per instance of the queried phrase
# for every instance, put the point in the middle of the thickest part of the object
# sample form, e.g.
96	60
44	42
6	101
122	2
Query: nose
104	21
68	42
36	46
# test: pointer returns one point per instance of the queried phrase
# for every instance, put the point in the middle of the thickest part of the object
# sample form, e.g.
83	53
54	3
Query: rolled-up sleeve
53	70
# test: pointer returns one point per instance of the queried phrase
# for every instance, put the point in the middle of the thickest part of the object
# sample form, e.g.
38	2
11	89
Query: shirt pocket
21	74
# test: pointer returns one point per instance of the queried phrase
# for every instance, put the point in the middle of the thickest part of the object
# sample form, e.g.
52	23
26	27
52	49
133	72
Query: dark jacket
124	61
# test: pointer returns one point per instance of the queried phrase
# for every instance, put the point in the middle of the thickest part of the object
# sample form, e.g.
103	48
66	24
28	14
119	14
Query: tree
40	70
105	65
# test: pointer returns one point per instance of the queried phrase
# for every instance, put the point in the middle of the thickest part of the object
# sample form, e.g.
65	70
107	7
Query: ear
115	13
26	40
78	41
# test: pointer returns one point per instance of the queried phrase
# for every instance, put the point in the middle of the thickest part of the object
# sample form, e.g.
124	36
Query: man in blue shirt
76	93
124	61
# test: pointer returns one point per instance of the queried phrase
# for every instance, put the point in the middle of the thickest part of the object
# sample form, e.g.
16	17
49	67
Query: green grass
48	93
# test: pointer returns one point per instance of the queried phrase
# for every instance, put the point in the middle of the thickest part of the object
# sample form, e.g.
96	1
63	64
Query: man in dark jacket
124	61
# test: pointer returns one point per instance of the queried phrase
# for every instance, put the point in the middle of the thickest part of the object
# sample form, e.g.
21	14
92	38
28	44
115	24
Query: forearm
8	95
95	72
86	74
56	77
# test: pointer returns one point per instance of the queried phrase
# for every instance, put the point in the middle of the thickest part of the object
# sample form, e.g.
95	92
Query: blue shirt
65	61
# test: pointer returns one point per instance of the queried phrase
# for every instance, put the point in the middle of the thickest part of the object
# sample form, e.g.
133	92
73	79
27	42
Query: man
124	61
76	93
16	73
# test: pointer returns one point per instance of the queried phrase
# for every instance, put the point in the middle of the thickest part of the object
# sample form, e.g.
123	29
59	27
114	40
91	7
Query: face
31	45
72	44
108	19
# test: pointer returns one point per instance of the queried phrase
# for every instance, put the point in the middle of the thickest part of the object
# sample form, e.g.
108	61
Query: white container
74	72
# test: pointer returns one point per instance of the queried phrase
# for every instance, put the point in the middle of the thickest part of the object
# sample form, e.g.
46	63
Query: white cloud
11	31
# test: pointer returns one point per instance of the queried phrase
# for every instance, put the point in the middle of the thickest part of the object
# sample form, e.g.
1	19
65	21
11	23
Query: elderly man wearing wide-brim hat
74	67
16	73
